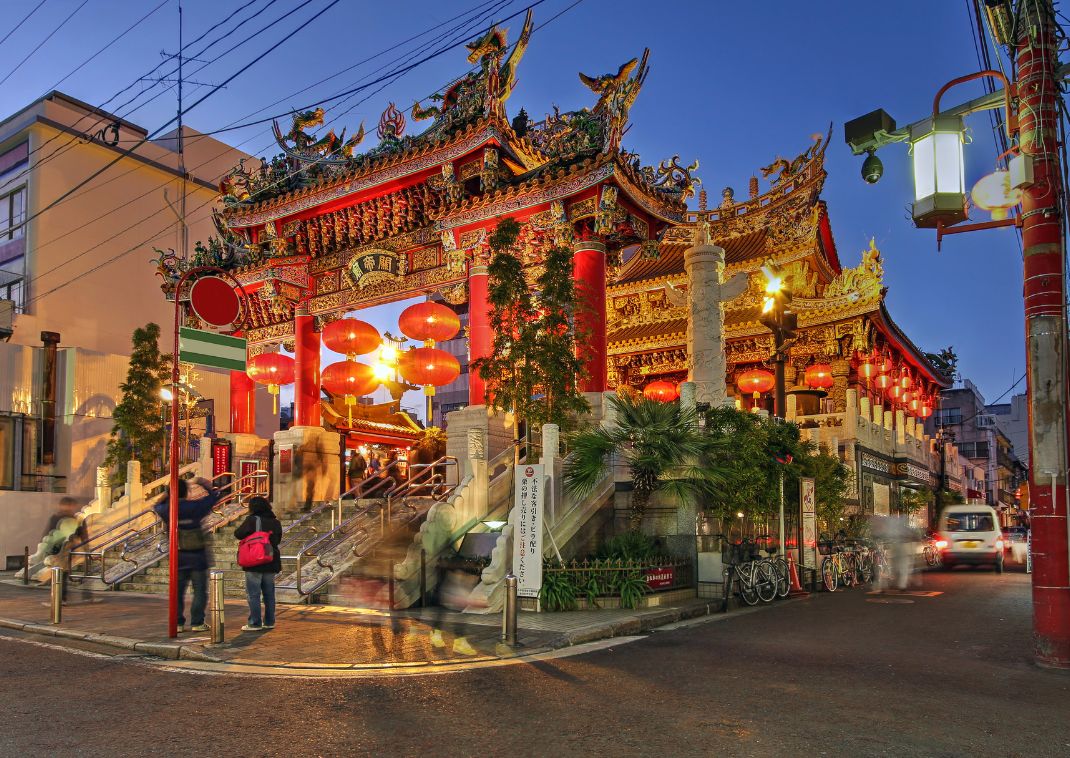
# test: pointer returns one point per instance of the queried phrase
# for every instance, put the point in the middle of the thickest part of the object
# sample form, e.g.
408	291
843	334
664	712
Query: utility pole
181	145
783	324
1046	340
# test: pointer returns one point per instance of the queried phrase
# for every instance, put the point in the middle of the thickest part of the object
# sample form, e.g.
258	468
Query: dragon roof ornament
331	149
484	91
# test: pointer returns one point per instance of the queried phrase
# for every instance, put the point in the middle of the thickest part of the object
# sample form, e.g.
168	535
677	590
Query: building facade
74	284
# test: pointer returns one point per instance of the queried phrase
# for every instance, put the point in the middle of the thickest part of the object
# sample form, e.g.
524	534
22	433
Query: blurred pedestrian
63	532
260	580
356	469
195	501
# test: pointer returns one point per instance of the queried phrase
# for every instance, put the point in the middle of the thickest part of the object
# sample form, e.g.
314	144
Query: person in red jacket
260	580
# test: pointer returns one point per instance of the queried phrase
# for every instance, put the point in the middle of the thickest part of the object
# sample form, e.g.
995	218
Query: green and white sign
210	349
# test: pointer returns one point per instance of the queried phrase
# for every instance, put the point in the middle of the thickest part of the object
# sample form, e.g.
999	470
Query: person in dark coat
195	501
260	580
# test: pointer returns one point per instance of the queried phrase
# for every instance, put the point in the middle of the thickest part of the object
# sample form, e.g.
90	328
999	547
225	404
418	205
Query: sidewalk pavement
316	636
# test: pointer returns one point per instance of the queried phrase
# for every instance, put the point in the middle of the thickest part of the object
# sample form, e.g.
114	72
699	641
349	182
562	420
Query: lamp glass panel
949	168
924	170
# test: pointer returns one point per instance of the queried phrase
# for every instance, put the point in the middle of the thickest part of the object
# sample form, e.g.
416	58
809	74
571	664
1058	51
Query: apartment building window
12	214
974	449
948	416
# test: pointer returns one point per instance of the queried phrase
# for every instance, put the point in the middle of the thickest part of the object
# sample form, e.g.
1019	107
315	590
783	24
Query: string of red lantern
351	337
272	369
350	380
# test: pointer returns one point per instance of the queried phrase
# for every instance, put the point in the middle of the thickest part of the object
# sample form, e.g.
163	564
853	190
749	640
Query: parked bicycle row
754	576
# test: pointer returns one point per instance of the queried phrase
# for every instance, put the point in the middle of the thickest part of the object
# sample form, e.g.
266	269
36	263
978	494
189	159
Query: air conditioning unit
7	319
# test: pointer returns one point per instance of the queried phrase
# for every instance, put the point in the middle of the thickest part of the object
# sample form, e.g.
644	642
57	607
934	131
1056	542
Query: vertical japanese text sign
808	520
528	502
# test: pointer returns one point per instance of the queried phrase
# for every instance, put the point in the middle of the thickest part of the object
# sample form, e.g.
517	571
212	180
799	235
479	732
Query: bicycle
933	557
780	566
836	568
757	579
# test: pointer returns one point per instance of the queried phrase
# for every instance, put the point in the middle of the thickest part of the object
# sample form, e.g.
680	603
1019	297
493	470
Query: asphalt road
842	674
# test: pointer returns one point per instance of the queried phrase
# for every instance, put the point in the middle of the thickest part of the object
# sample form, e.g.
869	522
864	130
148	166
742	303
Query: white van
971	535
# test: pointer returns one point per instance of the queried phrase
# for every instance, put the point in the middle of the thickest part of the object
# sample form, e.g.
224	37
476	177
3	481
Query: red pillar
589	272
1045	295
480	339
307	359
242	403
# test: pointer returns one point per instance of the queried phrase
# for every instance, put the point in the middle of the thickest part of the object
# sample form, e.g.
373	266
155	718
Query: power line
113	41
117	208
98	109
140	244
74	139
212	91
44	41
24	20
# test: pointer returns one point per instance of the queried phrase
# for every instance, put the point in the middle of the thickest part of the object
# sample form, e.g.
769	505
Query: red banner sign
220	457
660	578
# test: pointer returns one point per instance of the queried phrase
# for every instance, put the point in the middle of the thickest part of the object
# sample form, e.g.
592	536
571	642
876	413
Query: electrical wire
156	133
24	20
115	39
44	41
119	112
97	187
146	241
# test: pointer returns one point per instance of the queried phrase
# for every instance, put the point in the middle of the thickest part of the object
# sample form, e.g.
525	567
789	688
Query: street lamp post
1035	172
782	323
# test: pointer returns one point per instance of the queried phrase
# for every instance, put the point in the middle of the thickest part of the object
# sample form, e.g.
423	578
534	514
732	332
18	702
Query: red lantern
884	364
926	410
915	404
662	391
429	321
883	381
866	369
905	381
272	369
428	366
756	381
818	376
895	393
349	379
351	337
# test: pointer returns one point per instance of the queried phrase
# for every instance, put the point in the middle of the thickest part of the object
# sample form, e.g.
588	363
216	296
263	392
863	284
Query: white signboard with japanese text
808	520
529	499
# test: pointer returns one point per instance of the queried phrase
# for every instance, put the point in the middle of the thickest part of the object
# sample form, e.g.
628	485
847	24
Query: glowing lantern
429	321
429	366
939	171
895	392
905	381
915	404
272	369
755	382
818	376
926	410
349	379
883	381
884	363
994	193
662	391
351	337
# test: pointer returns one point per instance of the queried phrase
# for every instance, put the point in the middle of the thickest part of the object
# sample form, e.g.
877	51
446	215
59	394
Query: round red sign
529	472
214	301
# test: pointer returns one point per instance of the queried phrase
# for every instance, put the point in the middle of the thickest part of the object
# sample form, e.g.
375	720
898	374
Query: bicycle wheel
747	590
865	568
766	581
784	581
828	574
847	572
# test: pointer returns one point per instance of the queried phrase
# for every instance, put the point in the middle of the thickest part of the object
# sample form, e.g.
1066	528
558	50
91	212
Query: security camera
872	168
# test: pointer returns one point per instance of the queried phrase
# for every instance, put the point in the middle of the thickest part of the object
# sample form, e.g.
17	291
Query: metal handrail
237	493
357	525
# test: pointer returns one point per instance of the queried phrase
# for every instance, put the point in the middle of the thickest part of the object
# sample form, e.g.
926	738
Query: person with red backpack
258	555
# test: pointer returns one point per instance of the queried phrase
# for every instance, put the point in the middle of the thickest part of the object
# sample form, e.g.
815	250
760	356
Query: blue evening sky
732	84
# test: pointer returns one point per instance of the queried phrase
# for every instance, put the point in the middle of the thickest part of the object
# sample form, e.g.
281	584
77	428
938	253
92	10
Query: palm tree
661	445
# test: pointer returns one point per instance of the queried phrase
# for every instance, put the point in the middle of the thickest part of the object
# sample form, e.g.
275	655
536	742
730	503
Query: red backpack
255	550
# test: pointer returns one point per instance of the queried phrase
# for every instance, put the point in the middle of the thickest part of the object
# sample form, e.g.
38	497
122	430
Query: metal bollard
57	594
509	612
215	606
390	578
26	565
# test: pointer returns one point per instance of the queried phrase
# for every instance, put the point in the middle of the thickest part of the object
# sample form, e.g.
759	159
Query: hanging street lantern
755	382
818	376
904	380
349	379
429	321
274	370
351	337
430	367
994	193
662	391
939	171
883	381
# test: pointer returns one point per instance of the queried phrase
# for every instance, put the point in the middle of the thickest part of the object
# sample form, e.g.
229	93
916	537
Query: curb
160	649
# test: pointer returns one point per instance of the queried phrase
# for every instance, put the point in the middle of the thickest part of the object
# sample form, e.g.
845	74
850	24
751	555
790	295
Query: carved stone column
706	297
841	372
